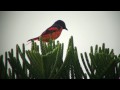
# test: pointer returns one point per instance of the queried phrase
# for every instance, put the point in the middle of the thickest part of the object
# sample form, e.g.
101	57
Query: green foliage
103	64
45	61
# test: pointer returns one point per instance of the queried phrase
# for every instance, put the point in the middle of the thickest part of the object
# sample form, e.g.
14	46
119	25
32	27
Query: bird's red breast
51	33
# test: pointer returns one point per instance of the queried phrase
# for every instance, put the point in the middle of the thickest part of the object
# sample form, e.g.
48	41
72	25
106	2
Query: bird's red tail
37	38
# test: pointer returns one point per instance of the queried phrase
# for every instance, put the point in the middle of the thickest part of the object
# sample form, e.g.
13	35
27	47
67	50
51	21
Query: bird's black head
60	23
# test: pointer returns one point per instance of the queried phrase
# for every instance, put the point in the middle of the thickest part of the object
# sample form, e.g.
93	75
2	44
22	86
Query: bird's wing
50	30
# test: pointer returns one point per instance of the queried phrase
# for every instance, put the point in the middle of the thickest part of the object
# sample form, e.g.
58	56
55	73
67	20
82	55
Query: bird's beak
66	28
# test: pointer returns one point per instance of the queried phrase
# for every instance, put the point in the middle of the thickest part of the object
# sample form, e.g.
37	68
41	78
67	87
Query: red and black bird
52	32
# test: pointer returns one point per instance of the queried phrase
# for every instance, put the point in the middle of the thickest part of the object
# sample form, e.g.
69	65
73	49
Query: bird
53	32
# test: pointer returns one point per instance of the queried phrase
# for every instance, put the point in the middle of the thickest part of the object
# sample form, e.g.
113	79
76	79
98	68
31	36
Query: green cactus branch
45	61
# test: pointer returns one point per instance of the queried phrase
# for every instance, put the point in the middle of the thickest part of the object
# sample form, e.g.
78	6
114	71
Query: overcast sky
88	28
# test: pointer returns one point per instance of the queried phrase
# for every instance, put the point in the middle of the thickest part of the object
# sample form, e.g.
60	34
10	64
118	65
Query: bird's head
61	23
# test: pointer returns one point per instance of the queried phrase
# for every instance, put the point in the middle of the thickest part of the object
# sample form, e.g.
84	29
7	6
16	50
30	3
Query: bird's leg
50	36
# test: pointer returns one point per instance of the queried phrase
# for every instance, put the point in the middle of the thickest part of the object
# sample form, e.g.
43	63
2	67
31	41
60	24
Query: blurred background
88	28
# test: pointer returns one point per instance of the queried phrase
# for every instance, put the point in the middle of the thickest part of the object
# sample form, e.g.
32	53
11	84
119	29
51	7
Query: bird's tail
36	38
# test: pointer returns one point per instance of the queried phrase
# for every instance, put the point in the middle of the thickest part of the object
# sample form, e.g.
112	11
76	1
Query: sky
88	28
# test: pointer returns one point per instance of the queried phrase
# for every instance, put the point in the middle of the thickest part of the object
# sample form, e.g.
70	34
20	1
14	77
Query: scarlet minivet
52	32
